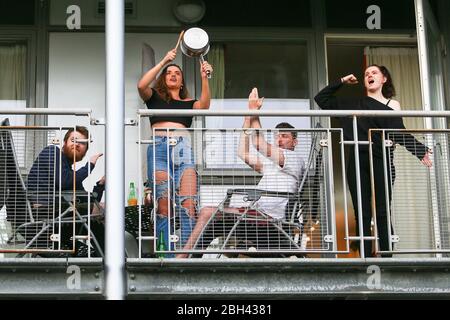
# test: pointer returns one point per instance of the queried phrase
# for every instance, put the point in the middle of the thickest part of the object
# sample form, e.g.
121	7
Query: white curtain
410	192
13	72
403	63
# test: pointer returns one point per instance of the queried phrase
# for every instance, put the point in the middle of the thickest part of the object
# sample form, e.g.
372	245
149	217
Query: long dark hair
388	89
161	86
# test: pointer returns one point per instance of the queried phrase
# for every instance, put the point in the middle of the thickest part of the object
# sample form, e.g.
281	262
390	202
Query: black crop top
156	102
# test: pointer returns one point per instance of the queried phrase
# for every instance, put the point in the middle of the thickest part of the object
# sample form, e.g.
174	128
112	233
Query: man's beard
69	153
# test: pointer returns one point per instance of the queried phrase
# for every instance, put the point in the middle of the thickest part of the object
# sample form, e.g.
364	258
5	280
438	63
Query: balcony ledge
233	278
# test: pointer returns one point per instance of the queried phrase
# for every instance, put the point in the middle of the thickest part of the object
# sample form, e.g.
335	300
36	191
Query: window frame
8	36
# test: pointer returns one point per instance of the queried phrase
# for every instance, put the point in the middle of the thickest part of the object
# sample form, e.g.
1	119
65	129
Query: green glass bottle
161	244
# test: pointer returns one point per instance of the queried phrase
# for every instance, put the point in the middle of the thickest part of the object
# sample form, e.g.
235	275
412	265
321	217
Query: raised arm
144	84
244	148
326	98
262	146
205	96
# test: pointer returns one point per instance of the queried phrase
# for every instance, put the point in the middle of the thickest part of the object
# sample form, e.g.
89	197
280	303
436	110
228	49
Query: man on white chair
281	165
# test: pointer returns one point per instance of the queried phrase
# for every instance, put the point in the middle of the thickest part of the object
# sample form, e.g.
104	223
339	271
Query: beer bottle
132	198
161	245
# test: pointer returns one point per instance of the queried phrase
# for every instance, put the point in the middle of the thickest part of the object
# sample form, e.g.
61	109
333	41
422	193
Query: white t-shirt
281	179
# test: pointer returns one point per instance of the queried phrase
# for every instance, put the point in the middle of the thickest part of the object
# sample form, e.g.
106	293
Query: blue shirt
45	178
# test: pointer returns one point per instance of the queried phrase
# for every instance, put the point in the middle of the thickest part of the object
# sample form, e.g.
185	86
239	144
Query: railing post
115	281
387	184
358	187
331	191
344	187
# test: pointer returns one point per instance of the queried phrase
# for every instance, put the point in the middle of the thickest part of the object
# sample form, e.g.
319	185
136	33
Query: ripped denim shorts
172	155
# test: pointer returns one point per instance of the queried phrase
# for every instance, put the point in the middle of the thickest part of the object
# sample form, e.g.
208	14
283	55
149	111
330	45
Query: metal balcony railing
43	213
238	209
300	221
418	212
227	189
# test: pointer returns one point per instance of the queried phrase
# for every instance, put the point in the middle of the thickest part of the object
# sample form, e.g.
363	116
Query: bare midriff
165	128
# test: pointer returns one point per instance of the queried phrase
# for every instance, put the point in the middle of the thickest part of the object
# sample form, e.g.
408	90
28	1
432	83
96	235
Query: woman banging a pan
170	160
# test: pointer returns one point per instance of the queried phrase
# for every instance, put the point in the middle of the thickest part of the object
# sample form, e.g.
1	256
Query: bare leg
163	202
188	187
205	215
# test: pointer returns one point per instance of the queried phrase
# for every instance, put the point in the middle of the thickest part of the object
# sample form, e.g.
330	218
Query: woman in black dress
380	90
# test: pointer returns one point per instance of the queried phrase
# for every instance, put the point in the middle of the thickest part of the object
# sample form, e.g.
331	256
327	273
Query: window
13	86
13	63
279	71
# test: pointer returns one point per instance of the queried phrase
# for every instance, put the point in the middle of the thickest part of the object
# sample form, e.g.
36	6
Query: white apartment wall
148	13
77	80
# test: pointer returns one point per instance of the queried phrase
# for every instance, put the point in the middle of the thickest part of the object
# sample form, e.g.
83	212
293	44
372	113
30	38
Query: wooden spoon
179	40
